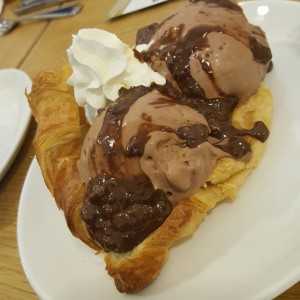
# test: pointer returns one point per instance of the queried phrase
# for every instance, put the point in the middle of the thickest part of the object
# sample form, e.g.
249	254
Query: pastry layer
58	141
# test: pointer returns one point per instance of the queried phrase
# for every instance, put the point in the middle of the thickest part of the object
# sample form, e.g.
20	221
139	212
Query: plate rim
21	131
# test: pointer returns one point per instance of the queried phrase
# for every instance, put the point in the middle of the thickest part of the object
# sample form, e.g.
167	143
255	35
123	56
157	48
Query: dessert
172	144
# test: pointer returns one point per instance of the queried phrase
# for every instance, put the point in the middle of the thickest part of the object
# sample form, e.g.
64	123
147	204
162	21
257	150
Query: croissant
61	129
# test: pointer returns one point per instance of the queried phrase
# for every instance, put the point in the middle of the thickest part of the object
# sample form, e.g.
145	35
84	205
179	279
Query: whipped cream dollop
102	64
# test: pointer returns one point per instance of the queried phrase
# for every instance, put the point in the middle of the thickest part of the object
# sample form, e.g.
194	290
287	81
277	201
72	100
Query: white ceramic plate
249	249
14	115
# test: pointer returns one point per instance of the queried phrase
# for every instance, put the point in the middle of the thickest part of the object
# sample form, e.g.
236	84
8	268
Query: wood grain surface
34	47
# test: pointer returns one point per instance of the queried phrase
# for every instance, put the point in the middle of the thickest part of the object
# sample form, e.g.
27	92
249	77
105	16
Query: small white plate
249	249
14	115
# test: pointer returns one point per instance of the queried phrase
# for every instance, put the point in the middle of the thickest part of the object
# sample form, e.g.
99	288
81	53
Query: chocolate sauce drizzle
261	53
218	113
110	135
145	34
176	50
119	211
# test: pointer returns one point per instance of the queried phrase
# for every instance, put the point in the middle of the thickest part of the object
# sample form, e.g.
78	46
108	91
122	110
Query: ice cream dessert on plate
137	144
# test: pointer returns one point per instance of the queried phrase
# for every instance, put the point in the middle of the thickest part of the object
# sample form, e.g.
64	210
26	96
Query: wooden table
32	48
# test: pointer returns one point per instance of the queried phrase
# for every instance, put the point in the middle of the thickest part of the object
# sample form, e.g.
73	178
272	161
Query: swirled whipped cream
102	64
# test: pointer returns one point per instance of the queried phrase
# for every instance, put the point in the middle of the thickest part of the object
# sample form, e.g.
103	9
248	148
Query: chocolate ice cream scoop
207	49
140	157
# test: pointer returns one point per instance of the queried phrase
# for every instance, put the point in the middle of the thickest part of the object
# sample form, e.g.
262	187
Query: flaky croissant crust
58	140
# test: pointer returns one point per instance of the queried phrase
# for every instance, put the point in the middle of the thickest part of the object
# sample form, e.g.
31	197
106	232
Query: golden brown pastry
153	163
58	141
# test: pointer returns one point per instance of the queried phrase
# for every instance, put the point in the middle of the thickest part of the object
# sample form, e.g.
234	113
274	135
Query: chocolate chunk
120	213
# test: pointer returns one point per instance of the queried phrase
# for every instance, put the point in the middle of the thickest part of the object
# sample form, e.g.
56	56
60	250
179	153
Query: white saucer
14	115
